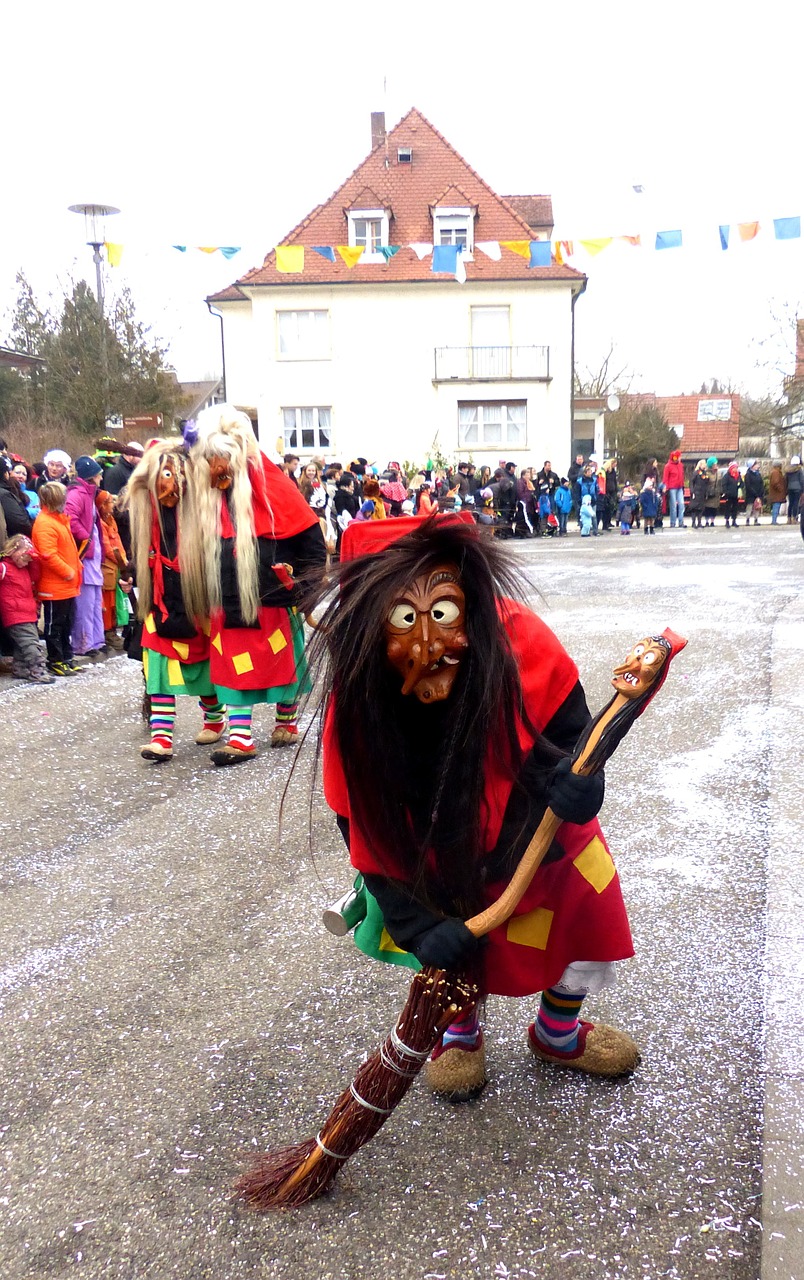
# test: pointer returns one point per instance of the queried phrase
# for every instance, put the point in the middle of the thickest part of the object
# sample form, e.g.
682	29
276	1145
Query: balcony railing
492	364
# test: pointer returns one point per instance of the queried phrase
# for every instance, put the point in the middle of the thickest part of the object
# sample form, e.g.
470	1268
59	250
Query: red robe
573	909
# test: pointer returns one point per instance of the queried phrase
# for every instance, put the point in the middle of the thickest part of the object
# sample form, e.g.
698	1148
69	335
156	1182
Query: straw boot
458	1072
602	1051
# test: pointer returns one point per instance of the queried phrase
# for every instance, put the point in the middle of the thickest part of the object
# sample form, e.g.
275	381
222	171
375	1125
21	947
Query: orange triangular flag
635	240
522	247
747	230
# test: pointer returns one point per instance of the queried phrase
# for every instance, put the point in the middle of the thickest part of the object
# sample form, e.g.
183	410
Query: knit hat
711	461
367	508
86	467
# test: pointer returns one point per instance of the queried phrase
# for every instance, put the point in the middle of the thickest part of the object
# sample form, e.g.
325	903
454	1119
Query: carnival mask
169	484
220	473
426	635
637	673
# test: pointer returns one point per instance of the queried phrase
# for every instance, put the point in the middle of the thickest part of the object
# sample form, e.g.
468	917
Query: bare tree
609	376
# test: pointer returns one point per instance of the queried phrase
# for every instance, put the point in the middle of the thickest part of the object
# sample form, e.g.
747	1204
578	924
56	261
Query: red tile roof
408	190
536	210
699	438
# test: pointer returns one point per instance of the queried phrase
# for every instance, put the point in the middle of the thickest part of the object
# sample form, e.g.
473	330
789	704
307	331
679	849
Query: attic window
455	225
369	228
404	155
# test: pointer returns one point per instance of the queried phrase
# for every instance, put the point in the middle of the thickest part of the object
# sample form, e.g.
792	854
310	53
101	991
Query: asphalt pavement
171	1002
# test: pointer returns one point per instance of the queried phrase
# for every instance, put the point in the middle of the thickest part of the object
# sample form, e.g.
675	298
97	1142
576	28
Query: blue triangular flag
229	251
445	258
724	230
326	251
182	248
668	239
787	228
388	250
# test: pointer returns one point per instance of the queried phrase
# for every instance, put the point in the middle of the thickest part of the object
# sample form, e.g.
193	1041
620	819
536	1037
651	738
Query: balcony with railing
492	364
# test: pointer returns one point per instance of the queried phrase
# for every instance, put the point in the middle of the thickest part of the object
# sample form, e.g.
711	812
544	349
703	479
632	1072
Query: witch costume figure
451	716
262	539
172	604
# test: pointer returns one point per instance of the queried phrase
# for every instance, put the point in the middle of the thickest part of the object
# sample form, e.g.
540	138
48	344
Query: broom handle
531	859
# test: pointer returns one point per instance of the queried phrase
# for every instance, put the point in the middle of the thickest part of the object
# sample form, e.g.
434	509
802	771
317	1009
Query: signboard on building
142	422
714	410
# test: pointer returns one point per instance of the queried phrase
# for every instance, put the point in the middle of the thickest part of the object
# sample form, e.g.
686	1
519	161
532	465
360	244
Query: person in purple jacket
87	636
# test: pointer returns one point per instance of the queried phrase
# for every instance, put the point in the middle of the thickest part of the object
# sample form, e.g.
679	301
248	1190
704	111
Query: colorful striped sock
557	1022
214	712
287	714
240	728
162	719
465	1031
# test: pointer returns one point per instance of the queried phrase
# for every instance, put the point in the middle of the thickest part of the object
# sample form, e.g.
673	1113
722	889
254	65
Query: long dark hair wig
415	774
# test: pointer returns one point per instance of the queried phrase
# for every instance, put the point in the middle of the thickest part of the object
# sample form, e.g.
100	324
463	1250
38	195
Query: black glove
448	945
575	797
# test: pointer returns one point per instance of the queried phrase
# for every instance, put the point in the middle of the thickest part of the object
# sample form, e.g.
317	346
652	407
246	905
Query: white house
384	358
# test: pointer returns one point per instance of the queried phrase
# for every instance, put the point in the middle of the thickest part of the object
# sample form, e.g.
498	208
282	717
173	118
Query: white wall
379	377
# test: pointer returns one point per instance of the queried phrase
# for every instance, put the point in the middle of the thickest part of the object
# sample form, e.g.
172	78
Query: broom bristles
293	1175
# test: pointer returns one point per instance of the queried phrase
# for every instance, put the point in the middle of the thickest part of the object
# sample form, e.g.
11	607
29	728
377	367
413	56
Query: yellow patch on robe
387	943
532	929
175	674
182	649
242	662
595	865
277	641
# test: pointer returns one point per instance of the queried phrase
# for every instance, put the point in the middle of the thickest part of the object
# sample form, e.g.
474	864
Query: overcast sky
227	124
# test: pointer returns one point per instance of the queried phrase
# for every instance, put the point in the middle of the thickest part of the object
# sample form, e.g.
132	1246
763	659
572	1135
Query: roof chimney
377	128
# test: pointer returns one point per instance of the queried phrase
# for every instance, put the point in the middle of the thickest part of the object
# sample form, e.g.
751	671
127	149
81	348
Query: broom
293	1175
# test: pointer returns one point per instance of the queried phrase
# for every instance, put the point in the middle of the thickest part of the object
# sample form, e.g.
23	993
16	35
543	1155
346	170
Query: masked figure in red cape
263	548
451	715
172	605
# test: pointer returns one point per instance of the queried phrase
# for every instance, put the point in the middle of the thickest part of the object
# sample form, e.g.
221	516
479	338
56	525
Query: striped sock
464	1032
287	714
214	712
162	719
240	728
557	1023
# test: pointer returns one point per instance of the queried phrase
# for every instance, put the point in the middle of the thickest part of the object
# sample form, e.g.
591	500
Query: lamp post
94	218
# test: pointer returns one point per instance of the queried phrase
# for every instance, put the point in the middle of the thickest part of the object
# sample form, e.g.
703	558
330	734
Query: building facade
378	355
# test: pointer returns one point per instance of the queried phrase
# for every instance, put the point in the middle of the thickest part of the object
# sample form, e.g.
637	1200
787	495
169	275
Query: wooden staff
296	1174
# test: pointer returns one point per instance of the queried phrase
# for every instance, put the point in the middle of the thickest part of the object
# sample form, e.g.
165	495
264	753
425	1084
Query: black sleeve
569	721
307	552
405	918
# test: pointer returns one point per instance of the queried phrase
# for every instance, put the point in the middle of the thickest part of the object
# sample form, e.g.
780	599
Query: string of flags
114	252
447	259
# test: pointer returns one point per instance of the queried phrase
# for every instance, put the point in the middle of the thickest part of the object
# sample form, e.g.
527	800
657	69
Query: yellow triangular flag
114	253
596	246
290	258
208	248
350	254
522	247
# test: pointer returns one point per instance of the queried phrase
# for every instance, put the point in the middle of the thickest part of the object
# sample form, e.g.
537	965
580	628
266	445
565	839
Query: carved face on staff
635	676
425	633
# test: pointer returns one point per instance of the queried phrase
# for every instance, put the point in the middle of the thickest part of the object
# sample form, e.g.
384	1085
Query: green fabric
195	676
370	934
122	615
280	693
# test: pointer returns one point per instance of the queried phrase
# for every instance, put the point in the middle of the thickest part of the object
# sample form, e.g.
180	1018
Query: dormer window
455	225
404	155
369	228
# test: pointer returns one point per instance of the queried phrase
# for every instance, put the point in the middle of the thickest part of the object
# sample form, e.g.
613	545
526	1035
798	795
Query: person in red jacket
473	712
673	481
19	611
59	577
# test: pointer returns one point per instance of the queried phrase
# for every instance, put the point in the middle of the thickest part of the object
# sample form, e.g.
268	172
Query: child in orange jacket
59	578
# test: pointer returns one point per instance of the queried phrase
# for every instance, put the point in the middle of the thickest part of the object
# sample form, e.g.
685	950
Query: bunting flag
491	248
522	247
562	250
445	259
725	232
748	230
114	253
388	250
421	249
540	253
351	254
213	248
182	248
596	246
229	250
326	251
636	241
787	228
290	258
460	267
668	239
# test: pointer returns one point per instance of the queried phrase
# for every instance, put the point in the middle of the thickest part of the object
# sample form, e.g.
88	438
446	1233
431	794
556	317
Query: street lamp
94	216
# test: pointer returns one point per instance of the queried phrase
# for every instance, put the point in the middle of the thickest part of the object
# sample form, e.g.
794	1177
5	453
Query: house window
369	228
404	155
303	335
493	423
454	226
308	429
